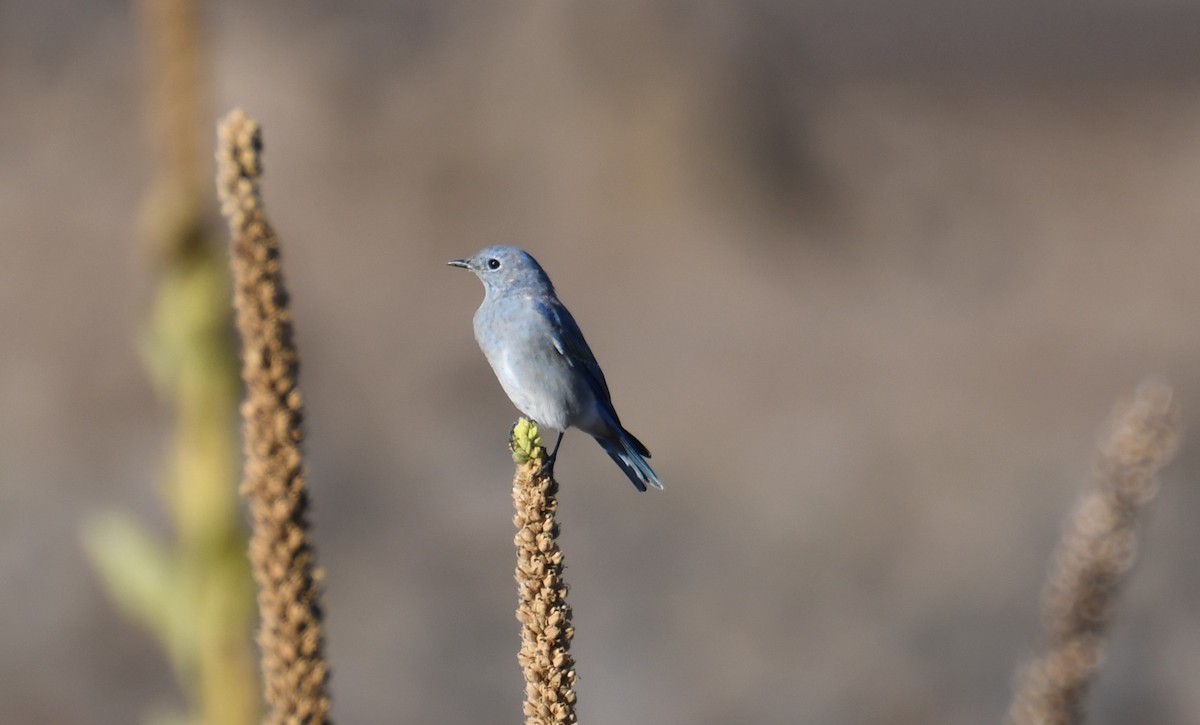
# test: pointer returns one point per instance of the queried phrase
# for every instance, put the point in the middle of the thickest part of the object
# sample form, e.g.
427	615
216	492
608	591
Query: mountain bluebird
542	361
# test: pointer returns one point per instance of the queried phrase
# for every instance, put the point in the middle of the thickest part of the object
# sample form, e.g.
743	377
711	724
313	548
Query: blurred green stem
195	593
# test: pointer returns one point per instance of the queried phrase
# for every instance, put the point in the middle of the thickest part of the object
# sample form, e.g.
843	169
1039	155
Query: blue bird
542	361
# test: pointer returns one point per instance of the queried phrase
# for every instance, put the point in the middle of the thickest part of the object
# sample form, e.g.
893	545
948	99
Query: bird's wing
569	342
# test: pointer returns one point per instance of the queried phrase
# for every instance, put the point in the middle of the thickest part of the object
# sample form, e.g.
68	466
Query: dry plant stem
1096	551
542	609
294	669
177	86
193	590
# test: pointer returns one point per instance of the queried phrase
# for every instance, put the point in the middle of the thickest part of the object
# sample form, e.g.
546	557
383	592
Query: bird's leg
554	454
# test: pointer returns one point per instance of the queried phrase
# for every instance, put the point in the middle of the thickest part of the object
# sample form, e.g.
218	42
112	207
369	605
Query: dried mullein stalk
1096	551
294	669
178	87
542	608
192	589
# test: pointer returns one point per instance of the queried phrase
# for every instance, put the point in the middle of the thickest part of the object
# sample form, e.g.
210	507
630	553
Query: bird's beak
459	263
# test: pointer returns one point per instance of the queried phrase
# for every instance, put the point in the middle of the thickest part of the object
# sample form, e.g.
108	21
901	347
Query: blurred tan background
866	277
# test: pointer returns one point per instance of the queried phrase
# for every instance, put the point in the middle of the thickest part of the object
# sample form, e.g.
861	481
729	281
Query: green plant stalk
193	592
213	603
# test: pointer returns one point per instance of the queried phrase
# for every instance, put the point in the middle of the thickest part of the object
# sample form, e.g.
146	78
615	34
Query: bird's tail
627	451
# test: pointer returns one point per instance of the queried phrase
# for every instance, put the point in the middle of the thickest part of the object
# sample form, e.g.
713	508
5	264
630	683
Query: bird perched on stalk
542	361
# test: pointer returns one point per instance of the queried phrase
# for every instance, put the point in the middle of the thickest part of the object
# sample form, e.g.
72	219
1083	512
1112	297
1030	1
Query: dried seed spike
1094	555
295	674
542	608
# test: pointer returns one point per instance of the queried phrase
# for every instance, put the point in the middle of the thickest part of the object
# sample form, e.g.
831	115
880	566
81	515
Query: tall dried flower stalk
193	590
542	608
295	674
1096	552
177	87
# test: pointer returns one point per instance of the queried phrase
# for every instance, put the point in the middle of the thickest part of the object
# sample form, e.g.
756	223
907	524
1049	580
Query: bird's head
506	269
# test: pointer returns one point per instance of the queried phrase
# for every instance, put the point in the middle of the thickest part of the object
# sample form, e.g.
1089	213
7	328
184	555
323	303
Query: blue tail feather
627	453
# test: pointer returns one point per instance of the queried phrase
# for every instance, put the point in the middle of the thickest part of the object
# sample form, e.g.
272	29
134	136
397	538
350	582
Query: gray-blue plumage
542	361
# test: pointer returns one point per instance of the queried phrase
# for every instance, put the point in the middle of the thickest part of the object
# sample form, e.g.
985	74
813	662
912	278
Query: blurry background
865	276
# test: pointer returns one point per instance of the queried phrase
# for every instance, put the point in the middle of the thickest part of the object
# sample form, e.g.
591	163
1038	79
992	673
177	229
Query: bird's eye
493	263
